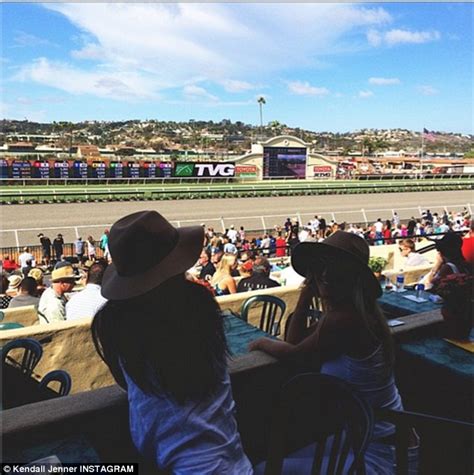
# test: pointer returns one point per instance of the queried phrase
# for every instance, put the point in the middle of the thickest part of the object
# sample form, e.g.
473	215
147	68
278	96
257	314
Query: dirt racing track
72	219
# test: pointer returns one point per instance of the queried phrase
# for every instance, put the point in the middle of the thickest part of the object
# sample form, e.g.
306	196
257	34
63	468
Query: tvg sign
199	169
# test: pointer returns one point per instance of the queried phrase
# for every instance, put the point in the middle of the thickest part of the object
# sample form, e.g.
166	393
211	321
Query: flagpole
422	151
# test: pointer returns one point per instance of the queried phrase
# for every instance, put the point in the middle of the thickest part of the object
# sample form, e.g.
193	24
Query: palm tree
261	100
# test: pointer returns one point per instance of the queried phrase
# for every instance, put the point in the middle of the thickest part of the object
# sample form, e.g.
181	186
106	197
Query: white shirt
85	303
51	307
378	226
414	259
25	256
232	235
230	248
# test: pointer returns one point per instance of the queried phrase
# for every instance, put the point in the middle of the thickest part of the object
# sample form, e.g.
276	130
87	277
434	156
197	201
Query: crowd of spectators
230	262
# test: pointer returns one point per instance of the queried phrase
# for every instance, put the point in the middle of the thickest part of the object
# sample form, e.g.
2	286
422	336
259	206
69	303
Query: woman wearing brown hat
449	260
352	340
163	340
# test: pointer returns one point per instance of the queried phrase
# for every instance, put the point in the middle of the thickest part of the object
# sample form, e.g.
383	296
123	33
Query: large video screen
284	161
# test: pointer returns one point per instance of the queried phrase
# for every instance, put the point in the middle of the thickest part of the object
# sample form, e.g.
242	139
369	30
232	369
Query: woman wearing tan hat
162	338
352	340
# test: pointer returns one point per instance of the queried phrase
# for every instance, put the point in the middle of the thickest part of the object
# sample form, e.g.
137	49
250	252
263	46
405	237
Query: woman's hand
257	344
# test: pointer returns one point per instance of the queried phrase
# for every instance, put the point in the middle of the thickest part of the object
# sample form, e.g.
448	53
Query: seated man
27	295
52	304
411	258
207	267
260	277
89	301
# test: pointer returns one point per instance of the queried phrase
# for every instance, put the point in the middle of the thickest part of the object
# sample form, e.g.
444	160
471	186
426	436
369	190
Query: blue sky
323	67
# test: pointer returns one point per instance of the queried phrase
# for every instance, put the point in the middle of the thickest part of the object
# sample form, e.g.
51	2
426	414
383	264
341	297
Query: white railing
28	236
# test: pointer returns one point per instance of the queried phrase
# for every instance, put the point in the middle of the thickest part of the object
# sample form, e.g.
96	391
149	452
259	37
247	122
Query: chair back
273	309
313	407
33	351
10	325
60	376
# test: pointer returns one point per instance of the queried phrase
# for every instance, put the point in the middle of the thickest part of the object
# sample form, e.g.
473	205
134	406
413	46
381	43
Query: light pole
261	101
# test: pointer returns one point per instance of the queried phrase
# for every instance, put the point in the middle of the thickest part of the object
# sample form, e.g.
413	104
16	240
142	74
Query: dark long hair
169	340
345	285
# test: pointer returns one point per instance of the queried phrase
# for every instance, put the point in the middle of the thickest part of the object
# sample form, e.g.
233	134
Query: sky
324	67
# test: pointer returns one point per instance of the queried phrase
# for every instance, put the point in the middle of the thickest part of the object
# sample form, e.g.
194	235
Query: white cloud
365	94
23	40
232	85
102	83
195	92
384	81
399	36
305	89
143	48
427	90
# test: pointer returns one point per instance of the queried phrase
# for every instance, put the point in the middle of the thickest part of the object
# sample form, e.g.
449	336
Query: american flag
429	135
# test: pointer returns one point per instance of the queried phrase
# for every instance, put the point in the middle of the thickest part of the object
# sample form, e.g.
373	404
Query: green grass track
54	193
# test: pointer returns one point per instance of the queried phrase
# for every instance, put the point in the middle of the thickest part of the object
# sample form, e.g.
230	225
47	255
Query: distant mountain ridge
224	135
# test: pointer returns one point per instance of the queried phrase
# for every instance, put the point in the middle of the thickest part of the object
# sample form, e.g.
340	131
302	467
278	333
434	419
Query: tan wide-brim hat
339	245
63	273
36	273
14	282
146	251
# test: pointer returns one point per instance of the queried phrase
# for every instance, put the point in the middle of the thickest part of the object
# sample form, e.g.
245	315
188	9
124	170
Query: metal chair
33	351
60	376
10	325
271	307
318	408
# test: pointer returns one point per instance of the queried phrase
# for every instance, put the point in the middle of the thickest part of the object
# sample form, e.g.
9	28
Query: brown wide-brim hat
146	250
338	246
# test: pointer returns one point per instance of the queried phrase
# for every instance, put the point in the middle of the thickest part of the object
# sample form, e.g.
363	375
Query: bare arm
329	339
229	284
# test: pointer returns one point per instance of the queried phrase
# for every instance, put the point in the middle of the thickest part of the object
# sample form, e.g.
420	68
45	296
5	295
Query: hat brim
305	252
183	256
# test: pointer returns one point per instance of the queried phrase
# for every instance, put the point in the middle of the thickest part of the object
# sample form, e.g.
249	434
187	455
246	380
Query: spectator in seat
207	267
216	256
52	304
222	281
229	246
37	274
14	282
245	269
260	278
27	294
351	340
4	298
89	301
24	257
162	338
449	260
410	257
26	270
9	265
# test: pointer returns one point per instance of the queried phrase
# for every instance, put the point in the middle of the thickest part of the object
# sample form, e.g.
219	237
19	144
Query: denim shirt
197	437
